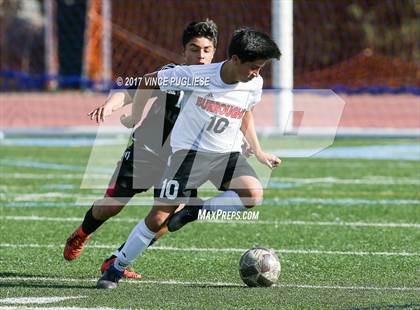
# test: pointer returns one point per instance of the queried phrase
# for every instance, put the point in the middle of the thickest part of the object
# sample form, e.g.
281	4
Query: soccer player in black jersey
144	161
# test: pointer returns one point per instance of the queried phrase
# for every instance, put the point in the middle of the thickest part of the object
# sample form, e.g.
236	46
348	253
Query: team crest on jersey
209	96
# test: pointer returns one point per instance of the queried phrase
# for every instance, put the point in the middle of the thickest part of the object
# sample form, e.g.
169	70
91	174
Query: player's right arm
145	91
115	101
165	80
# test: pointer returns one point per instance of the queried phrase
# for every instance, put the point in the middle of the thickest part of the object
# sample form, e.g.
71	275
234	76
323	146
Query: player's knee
255	197
251	197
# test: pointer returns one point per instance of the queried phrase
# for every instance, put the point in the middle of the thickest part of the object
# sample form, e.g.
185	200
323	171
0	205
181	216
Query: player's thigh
119	190
148	169
247	187
137	172
242	178
120	187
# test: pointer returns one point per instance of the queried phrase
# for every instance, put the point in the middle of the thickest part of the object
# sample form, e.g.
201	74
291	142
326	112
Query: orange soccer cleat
128	274
75	244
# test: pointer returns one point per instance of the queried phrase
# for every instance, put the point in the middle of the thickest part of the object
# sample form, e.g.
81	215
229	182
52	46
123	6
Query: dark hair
206	29
250	45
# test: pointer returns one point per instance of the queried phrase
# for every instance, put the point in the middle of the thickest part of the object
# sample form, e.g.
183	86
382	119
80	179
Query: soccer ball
259	267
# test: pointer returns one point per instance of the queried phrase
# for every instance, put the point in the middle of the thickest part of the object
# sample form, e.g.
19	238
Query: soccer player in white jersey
206	139
149	150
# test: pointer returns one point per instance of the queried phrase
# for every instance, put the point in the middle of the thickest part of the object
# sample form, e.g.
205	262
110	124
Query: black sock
90	224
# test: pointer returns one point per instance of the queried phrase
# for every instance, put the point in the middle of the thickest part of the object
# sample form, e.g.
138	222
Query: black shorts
188	170
138	170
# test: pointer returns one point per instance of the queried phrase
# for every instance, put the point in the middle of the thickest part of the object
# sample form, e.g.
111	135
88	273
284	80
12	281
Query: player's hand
247	150
100	113
269	160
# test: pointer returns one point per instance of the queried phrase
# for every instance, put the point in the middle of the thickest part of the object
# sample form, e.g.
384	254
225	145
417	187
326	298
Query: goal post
107	44
282	70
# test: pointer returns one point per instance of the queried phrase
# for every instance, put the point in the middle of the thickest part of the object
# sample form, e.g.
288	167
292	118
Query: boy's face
246	71
199	51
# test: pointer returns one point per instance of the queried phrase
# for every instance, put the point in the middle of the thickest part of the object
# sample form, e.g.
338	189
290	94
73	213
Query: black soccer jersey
156	127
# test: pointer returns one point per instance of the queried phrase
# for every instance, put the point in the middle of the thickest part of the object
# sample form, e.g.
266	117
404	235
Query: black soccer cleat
186	215
110	278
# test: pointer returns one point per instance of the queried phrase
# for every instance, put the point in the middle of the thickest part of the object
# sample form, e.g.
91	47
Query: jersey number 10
169	189
218	125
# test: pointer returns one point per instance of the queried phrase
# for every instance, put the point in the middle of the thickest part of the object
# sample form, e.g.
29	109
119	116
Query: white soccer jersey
212	111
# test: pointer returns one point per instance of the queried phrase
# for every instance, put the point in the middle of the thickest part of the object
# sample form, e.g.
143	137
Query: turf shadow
35	285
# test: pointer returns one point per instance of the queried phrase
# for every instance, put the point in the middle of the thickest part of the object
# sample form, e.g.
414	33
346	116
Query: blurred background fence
59	58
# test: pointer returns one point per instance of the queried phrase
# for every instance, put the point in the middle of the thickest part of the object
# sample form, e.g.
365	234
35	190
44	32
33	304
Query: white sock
226	201
139	239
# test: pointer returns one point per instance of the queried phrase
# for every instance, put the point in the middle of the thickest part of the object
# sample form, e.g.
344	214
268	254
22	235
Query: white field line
37	300
59	166
212	284
41	196
352	165
60	186
52	176
341	201
39	201
219	250
325	223
374	180
53	204
257	222
16	307
30	163
40	165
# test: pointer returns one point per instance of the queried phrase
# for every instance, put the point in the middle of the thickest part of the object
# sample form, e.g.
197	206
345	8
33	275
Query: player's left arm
248	129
